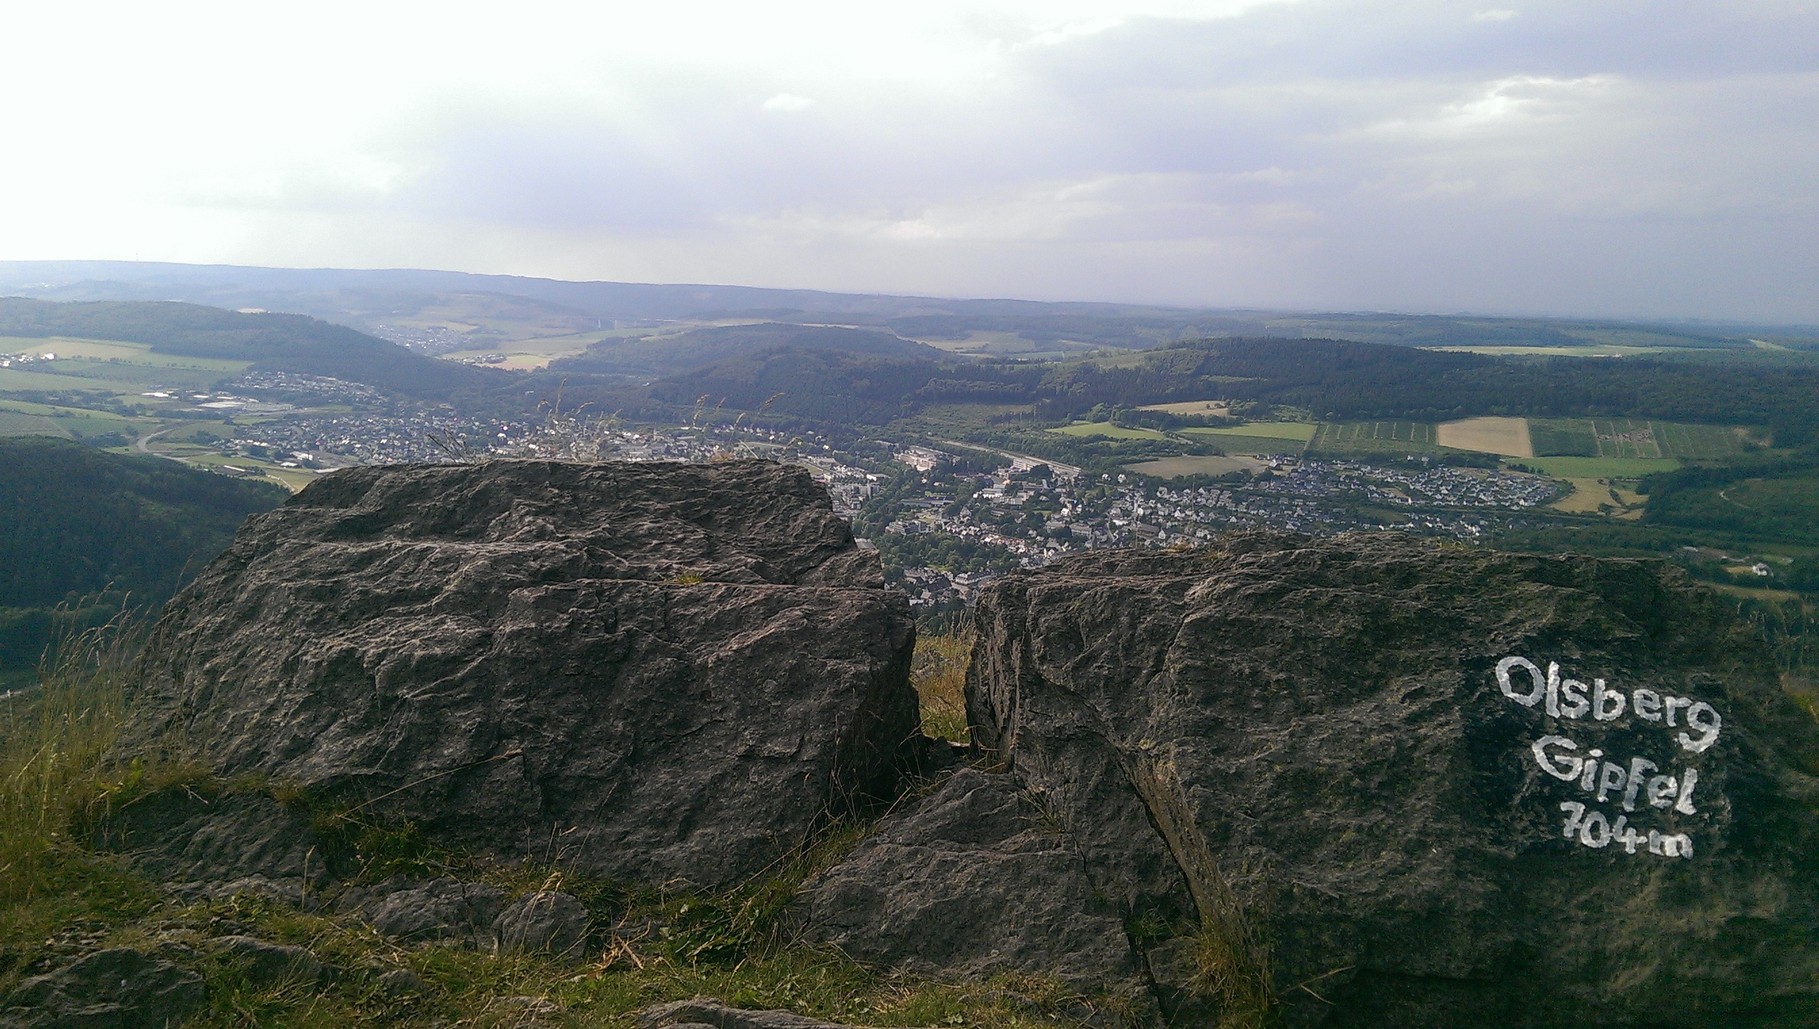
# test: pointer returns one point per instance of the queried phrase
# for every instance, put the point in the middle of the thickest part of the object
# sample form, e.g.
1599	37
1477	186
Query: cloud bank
1650	159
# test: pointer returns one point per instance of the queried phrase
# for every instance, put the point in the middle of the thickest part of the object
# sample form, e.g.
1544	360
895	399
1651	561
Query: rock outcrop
1365	781
654	672
971	881
707	1013
1378	781
118	987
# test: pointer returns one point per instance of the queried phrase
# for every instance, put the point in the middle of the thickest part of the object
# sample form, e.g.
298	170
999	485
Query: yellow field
1598	496
535	352
1214	407
1506	436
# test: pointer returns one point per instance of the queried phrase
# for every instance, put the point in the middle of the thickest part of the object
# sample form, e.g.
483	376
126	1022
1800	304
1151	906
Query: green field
119	376
1176	467
1600	467
1233	443
522	354
1300	432
1562	437
1361	439
15	379
89	351
1633	438
1699	442
1588	350
68	420
123	370
1790	501
15	423
1108	430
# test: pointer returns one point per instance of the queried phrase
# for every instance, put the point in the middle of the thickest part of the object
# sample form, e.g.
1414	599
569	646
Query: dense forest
84	532
683	352
1345	380
1331	379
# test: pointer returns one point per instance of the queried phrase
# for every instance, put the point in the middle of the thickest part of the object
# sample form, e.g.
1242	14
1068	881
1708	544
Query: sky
1618	158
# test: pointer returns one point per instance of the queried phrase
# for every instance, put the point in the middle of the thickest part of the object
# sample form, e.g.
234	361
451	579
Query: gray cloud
1615	158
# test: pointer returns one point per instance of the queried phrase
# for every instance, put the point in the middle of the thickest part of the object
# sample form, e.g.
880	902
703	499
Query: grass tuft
938	671
54	747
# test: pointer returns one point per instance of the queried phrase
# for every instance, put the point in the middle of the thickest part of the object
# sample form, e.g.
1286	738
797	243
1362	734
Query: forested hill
700	348
273	342
78	522
1339	379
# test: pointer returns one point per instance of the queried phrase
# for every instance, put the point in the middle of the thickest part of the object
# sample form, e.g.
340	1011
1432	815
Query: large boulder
656	672
1377	781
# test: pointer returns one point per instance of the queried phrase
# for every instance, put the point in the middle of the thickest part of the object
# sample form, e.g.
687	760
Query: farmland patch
1506	436
1176	467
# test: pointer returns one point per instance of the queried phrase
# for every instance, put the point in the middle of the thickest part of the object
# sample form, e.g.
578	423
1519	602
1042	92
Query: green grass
1176	467
54	743
1599	467
1298	431
1364	439
1254	445
1791	501
1690	442
938	671
1634	438
124	368
1562	437
14	423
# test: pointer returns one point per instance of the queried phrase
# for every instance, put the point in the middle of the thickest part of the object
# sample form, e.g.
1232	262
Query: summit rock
1371	780
657	672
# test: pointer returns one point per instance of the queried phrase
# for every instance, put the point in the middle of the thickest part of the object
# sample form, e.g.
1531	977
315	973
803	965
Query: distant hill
273	342
1349	380
653	356
94	530
368	299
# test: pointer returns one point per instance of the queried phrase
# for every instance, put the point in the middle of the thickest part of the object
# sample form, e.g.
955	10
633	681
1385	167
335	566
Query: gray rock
1297	758
441	909
267	962
109	989
400	982
706	1012
521	1013
972	880
543	922
204	847
678	671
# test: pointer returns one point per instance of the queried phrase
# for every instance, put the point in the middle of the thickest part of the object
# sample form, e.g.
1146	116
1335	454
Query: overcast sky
1601	157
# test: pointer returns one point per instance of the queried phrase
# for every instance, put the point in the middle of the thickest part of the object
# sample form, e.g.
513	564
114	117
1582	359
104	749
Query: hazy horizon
1650	162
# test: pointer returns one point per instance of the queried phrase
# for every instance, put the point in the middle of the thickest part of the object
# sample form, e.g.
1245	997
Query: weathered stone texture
117	988
660	672
971	881
1309	738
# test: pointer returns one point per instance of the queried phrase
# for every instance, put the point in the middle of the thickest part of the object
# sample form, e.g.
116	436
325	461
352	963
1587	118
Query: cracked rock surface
1356	767
665	672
